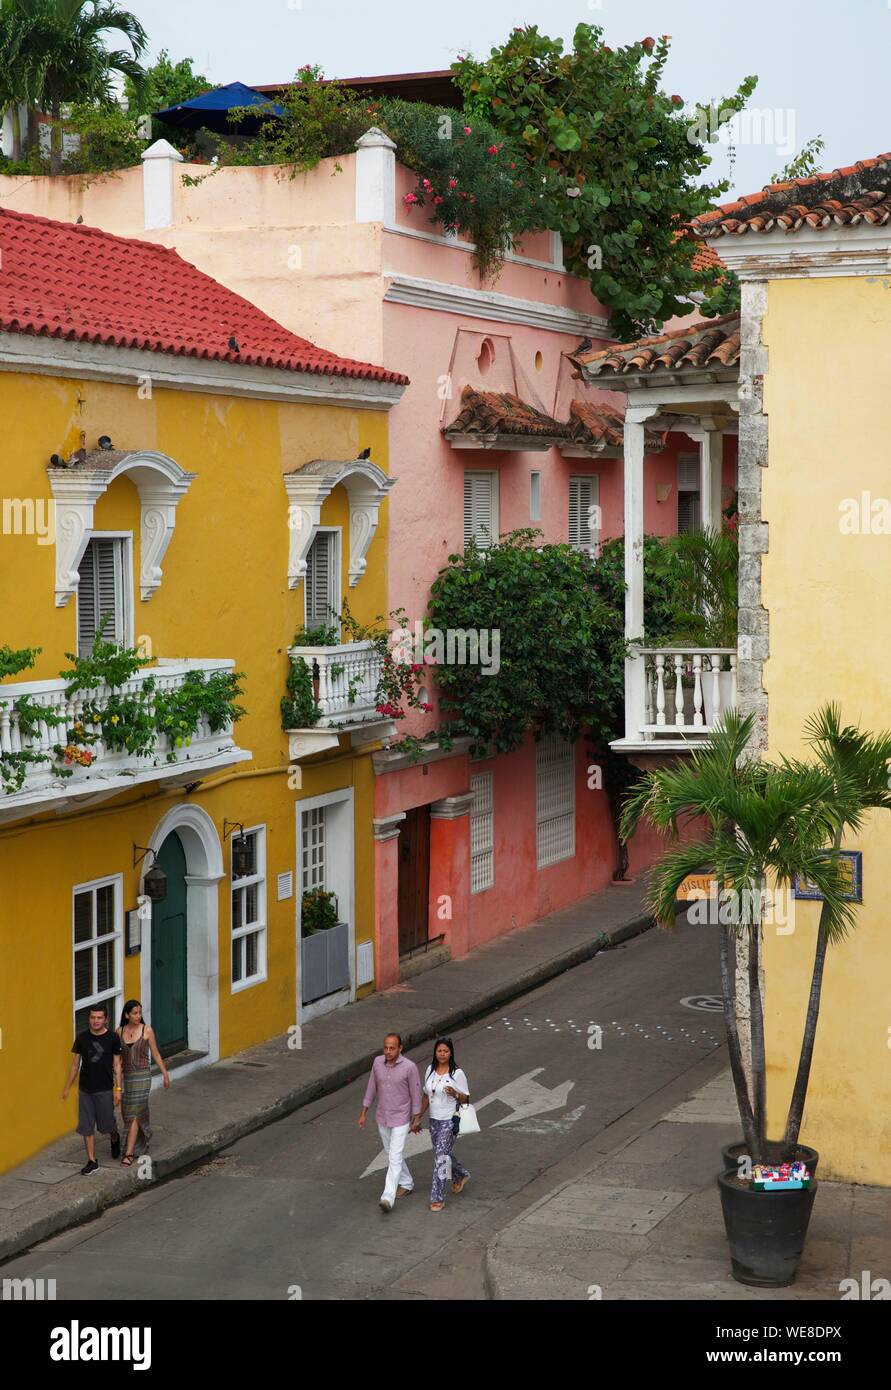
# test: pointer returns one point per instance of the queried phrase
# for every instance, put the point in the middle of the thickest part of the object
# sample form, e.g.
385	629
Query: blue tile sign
851	868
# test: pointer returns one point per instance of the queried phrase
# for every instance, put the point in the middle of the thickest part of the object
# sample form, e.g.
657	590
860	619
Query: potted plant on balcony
764	823
318	911
703	566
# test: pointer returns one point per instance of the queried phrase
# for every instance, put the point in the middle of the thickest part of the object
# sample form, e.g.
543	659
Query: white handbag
469	1122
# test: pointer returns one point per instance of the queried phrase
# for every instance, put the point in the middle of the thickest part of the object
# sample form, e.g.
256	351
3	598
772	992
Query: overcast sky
823	65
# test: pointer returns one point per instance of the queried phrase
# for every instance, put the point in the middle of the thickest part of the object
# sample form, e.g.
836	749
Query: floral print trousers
445	1166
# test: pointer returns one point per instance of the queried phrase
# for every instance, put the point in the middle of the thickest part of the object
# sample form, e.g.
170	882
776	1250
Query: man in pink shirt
395	1084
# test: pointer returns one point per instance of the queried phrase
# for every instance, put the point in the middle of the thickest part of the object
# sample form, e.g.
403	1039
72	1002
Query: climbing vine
131	721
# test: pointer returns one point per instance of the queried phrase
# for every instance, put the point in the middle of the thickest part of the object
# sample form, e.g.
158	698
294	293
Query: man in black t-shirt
97	1056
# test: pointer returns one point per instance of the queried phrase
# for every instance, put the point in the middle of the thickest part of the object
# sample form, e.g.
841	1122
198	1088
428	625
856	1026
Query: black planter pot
766	1231
774	1152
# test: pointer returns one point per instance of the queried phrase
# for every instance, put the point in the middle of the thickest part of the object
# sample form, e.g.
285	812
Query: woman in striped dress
138	1047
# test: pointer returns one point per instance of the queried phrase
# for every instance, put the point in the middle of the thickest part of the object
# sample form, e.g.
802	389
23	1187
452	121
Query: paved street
295	1205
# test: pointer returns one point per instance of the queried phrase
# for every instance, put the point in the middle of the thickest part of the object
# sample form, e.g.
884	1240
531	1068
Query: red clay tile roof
710	343
59	280
491	412
705	256
846	197
597	427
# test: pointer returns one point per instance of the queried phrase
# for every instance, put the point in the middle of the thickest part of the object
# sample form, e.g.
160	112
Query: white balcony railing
110	769
345	682
686	689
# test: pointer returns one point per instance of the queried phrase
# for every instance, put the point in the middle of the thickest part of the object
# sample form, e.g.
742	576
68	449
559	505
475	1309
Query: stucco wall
826	594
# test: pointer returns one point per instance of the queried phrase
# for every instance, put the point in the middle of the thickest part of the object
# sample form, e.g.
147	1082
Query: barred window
482	839
554	800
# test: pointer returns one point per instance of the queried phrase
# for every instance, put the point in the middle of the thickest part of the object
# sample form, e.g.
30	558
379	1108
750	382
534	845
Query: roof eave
510	443
642	381
28	352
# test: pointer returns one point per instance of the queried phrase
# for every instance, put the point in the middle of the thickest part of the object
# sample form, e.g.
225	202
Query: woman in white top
445	1088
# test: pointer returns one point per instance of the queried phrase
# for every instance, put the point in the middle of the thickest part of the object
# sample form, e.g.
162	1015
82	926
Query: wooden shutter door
688	492
321	587
414	879
100	593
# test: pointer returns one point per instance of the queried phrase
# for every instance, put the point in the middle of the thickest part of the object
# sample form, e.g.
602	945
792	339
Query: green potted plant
318	911
764	823
702	570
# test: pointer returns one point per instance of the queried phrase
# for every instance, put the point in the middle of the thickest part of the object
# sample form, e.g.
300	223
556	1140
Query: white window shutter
584	493
322	580
480	509
688	472
100	593
87	622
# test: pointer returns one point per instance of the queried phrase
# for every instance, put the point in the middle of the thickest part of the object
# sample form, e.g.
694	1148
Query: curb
88	1206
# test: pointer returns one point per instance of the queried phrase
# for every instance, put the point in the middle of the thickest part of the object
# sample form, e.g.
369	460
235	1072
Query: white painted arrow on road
526	1097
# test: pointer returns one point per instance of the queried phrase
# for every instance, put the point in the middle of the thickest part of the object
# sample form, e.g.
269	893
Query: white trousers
393	1141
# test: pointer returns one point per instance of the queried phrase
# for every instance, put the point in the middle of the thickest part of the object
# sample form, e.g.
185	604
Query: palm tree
858	764
765	822
19	65
69	61
703	566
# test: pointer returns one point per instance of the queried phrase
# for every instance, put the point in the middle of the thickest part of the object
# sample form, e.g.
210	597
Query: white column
711	464
635	692
375	178
158	164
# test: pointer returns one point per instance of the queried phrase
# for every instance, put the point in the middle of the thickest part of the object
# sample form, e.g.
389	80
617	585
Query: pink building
496	431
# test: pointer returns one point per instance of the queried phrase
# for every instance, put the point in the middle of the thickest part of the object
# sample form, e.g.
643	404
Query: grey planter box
325	962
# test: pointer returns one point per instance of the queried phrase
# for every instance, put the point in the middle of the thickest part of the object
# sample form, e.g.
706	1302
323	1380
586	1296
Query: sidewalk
209	1109
644	1222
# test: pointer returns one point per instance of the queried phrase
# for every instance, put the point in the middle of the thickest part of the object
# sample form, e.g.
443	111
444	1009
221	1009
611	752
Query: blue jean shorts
95	1110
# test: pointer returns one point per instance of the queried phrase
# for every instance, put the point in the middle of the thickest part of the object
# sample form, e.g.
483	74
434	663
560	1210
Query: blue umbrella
210	110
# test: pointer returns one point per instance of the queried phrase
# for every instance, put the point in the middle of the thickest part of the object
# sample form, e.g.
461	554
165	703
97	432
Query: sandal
437	1206
127	1160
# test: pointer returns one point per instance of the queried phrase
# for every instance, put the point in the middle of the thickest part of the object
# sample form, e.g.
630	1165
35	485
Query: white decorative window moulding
307	487
160	483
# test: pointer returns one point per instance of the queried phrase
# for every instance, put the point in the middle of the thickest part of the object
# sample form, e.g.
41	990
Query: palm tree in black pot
762	823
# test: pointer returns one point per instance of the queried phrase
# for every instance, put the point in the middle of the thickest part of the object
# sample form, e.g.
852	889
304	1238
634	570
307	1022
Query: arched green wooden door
169	1015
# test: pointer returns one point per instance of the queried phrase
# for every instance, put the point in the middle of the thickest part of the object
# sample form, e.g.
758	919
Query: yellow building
800	373
815	556
185	474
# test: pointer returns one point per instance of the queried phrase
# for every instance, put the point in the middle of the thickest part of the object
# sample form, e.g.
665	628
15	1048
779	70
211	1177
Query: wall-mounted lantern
242	855
154	881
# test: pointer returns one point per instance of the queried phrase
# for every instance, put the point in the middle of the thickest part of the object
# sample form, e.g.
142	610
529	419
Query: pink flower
493	149
467	130
427	183
410	198
437	200
513	166
426	708
453	183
